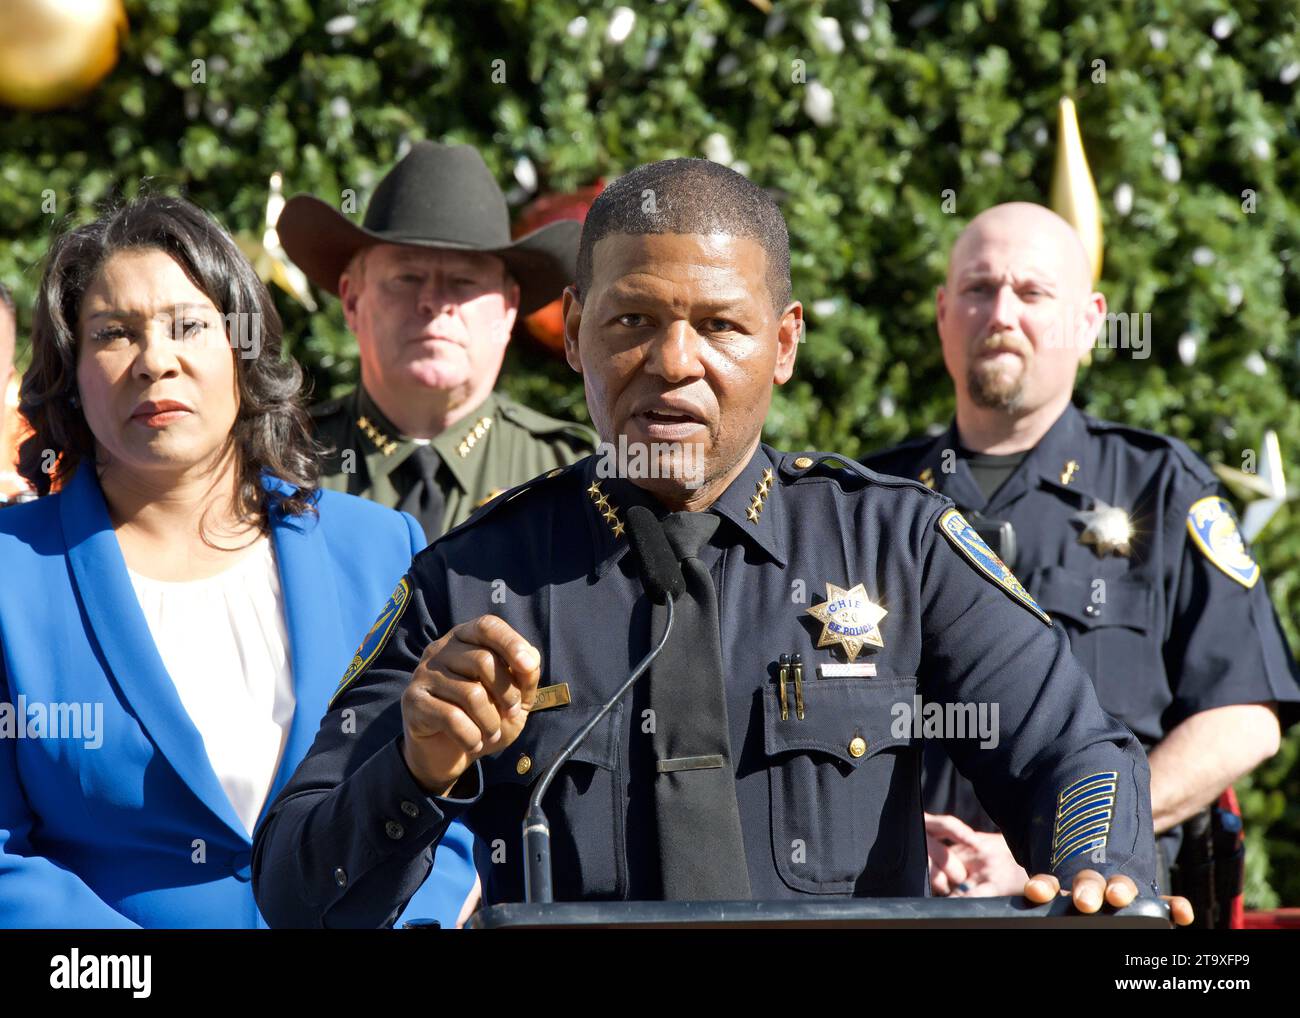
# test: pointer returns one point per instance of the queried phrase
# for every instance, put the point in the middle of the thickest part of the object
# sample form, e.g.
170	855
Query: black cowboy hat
437	196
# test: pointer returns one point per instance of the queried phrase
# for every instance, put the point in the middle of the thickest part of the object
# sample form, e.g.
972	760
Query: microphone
661	575
661	572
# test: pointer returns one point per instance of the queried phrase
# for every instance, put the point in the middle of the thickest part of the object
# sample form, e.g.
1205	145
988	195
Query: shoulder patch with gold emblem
377	637
966	539
1213	526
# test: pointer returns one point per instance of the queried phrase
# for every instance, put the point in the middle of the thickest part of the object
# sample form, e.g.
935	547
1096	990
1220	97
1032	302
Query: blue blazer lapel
122	632
315	626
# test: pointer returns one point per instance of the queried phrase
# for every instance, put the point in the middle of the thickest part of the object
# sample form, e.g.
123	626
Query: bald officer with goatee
1123	536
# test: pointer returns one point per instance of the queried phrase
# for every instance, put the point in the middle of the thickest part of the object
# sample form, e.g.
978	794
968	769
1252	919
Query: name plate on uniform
834	670
551	696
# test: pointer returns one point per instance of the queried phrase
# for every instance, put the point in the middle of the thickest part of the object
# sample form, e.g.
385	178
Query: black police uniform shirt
829	803
1179	622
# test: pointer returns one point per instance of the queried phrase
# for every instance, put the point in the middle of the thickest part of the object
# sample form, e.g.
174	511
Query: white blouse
225	645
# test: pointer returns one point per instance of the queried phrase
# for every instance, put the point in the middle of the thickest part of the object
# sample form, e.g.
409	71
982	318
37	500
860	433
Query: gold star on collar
761	489
471	438
849	618
607	509
1107	528
383	442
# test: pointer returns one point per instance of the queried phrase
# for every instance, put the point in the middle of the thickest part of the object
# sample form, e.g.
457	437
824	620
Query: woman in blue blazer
128	788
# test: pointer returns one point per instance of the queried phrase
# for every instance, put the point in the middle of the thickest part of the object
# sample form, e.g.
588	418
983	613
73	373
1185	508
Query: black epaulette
1155	441
848	473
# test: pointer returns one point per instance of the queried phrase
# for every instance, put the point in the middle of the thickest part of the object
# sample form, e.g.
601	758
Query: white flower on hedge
1254	363
1170	168
1188	345
620	25
526	174
1202	256
828	32
1234	295
341	25
1157	38
1261	148
1289	73
819	103
1124	199
717	149
340	108
576	28
1222	27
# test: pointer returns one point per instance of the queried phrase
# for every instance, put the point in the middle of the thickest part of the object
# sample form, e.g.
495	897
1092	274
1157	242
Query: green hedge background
858	113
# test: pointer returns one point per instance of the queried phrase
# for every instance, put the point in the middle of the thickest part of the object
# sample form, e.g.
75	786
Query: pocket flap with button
543	737
851	719
1095	601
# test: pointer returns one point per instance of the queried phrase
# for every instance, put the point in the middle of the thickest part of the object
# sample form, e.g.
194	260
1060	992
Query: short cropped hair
689	196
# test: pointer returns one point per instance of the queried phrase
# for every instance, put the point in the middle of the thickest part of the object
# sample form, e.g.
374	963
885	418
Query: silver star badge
1107	528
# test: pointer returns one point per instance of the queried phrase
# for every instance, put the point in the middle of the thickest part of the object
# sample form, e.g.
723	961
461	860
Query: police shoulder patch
966	539
1213	526
378	636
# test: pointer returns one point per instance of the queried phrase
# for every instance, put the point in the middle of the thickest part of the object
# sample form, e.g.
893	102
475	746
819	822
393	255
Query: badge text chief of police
725	777
1121	535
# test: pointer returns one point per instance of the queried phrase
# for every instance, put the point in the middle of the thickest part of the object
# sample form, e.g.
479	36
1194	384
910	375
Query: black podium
840	913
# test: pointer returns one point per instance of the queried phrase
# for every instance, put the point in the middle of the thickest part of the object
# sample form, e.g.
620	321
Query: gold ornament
1264	491
55	51
1074	195
268	258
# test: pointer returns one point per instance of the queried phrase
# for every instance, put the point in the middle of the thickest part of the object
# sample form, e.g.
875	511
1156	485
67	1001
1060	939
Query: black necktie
701	850
423	499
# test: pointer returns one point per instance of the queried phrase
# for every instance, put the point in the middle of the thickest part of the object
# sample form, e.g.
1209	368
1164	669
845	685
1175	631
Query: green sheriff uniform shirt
496	446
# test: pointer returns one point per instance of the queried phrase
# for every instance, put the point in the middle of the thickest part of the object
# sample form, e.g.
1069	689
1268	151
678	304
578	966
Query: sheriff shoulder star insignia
1107	528
1213	527
849	618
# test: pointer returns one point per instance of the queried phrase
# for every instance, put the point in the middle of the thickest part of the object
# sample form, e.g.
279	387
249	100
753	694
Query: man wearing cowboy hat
431	285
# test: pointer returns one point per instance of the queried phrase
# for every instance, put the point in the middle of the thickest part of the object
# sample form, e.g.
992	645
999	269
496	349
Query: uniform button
1091	610
524	764
858	746
394	830
341	877
410	809
803	463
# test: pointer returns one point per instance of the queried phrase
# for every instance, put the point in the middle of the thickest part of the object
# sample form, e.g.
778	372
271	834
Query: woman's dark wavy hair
271	431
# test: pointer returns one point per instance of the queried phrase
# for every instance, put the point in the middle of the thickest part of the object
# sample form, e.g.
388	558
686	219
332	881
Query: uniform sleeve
36	892
350	839
1067	783
1225	644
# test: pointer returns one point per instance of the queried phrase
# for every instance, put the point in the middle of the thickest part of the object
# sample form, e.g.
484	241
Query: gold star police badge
849	618
1107	528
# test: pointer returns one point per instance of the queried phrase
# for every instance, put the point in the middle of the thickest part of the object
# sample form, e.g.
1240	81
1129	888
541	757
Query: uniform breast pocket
583	804
1113	633
845	789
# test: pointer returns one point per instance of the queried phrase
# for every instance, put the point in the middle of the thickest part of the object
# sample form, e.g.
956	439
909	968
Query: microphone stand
537	829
